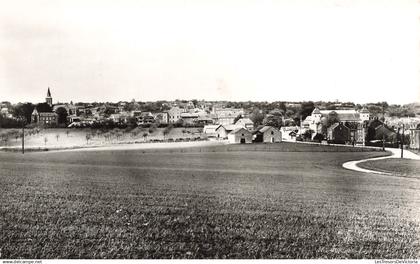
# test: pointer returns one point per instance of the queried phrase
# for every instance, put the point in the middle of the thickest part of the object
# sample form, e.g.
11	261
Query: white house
240	135
289	133
210	130
267	134
175	114
223	130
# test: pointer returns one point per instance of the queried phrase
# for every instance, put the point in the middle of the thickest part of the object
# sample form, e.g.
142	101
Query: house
145	118
415	138
383	132
267	134
210	130
345	116
175	114
246	123
289	133
162	118
339	133
223	130
189	118
44	118
5	112
240	135
203	120
226	116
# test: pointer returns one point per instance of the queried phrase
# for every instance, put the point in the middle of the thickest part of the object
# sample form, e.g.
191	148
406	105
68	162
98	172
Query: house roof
364	111
229	128
264	129
188	115
333	126
343	115
245	121
316	111
382	130
240	129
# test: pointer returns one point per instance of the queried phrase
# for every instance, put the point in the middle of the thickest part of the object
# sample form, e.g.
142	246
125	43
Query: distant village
377	124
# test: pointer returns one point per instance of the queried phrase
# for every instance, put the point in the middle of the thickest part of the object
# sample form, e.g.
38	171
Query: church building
45	118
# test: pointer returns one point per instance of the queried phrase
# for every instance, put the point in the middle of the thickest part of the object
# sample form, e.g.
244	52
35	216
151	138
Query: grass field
398	167
241	203
60	138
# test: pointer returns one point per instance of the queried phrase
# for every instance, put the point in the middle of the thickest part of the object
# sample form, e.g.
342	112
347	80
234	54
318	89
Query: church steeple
48	99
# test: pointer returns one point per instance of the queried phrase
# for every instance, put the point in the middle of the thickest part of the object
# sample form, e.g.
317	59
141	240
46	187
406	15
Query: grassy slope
398	167
77	137
238	204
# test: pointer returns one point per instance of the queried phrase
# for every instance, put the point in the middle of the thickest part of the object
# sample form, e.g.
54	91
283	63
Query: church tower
48	99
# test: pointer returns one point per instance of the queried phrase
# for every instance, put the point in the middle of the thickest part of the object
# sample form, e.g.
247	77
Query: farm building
415	138
289	133
223	130
210	130
246	123
339	133
240	135
383	132
267	134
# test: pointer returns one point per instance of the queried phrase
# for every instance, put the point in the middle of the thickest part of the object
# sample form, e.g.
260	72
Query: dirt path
395	153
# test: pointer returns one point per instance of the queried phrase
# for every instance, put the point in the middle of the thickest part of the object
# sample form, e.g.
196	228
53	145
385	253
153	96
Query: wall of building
415	138
236	138
272	135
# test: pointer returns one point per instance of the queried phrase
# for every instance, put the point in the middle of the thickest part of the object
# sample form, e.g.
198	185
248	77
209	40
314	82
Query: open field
398	167
75	138
241	203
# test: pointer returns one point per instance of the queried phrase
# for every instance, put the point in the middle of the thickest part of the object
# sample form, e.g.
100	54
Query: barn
223	130
339	133
240	135
267	134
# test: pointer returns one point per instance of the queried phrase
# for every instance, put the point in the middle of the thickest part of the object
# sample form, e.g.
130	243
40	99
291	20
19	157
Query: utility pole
300	130
383	141
23	136
402	142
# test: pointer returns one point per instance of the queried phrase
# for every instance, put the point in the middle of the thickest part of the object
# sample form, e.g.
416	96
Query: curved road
395	153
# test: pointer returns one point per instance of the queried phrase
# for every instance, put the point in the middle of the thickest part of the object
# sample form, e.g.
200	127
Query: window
272	132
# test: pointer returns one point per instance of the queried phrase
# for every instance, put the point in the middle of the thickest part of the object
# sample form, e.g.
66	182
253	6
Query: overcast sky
361	51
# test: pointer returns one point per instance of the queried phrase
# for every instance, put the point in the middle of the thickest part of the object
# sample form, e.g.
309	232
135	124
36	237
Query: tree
145	134
257	117
306	109
274	119
43	107
308	134
62	115
88	137
132	122
319	137
332	118
24	111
